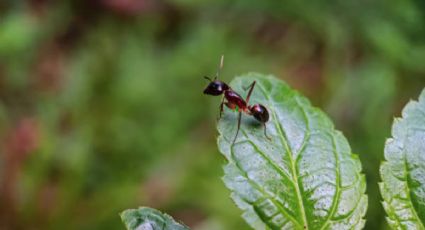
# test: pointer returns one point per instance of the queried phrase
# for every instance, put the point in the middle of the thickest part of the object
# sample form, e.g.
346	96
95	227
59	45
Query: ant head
259	112
215	87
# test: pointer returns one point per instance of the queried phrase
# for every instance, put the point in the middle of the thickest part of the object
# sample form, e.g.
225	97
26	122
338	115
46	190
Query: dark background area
101	104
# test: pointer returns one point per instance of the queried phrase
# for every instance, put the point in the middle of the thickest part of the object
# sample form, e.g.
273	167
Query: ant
235	102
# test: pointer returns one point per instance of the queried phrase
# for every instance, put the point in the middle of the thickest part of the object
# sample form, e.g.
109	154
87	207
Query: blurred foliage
101	105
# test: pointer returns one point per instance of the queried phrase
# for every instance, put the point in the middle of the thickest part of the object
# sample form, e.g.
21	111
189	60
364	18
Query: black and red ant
235	102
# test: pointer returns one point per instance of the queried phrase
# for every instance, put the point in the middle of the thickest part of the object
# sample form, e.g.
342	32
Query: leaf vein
337	195
284	141
405	165
259	188
270	161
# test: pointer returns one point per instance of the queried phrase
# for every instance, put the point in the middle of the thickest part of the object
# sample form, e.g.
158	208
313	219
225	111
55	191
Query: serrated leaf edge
392	218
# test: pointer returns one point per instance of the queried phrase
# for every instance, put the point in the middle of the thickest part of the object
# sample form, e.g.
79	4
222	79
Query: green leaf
305	177
403	171
145	218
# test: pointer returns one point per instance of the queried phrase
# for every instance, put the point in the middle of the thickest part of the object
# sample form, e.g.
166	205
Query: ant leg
239	125
250	87
221	109
265	132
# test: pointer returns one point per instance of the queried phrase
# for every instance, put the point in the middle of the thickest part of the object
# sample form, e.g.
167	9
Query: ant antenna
209	79
219	67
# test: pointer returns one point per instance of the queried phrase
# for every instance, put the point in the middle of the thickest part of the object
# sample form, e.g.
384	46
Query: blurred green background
101	104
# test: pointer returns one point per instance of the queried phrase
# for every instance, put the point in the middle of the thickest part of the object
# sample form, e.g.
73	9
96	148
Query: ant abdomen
260	113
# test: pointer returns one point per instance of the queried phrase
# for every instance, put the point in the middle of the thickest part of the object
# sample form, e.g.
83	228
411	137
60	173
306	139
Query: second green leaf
403	172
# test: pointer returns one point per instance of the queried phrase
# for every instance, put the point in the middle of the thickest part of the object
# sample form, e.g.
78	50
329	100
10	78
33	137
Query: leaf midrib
252	183
284	142
293	170
409	198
